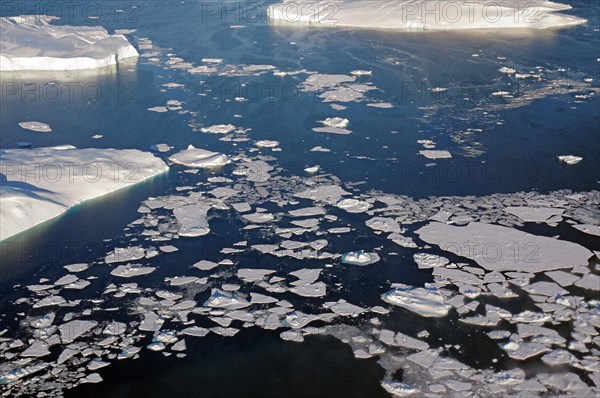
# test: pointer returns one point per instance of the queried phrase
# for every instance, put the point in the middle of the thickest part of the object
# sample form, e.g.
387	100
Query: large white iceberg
425	14
39	184
31	43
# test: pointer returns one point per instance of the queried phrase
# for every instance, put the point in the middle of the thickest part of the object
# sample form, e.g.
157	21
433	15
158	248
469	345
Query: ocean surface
499	145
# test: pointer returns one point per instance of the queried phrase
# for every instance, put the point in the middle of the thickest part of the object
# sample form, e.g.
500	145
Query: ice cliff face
31	43
39	184
425	14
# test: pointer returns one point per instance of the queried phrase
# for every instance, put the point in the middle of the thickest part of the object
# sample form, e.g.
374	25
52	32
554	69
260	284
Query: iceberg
419	15
39	184
31	43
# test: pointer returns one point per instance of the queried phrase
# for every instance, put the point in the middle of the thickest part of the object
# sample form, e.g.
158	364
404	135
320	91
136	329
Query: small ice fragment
36	126
570	159
360	258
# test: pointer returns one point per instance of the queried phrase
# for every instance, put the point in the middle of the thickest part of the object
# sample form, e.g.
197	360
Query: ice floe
492	247
423	301
200	158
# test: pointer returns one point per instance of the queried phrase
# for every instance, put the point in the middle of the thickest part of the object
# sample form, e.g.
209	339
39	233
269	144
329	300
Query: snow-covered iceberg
425	14
31	43
39	184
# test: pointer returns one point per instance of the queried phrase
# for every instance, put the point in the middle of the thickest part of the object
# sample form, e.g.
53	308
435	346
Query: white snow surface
39	184
419	15
31	43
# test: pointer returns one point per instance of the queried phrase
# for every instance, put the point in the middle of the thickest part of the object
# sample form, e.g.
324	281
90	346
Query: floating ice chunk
130	270
195	331
568	382
562	278
92	378
353	205
115	328
406	341
267	144
570	159
534	214
318	289
292	335
426	260
36	126
319	149
346	309
121	255
151	322
492	247
12	375
423	301
71	331
158	109
26	200
219	129
43	321
205	265
360	258
161	148
588	229
253	274
96	364
199	158
325	193
435	154
66	355
156	346
384	224
31	43
589	281
230	301
398	389
257	298
331	130
543	288
507	71
360	72
50	301
183	280
297	319
37	349
312	169
241	207
76	267
381	105
259	218
193	220
336	122
307	212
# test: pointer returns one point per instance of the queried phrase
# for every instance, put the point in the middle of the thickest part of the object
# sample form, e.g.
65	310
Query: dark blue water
517	150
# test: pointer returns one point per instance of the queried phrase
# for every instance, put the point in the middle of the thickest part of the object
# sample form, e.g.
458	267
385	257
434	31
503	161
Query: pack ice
39	184
31	43
425	14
